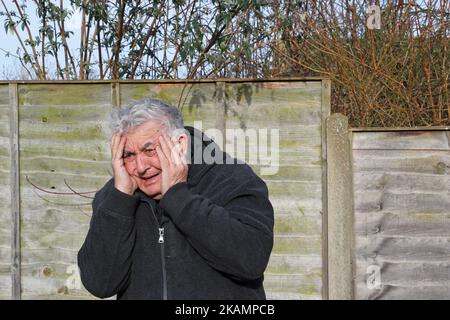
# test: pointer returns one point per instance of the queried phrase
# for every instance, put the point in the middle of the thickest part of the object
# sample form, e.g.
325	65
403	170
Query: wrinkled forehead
145	133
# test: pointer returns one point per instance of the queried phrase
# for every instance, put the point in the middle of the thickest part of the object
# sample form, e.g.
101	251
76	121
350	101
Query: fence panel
402	214
63	148
295	109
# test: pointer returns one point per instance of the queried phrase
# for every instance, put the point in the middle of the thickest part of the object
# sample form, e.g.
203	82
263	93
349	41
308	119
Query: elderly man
165	227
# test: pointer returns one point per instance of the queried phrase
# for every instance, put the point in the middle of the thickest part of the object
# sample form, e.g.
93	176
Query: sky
9	43
10	66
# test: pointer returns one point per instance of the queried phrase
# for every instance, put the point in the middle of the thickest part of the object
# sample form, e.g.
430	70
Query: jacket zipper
163	260
163	256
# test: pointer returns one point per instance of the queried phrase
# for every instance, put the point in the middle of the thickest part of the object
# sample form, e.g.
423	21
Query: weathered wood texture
62	143
15	192
295	268
402	214
326	112
5	196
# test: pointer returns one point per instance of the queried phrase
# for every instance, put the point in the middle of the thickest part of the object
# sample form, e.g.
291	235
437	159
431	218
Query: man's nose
141	165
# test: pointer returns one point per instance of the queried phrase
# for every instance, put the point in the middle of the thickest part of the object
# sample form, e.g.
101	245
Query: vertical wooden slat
115	94
353	236
220	104
326	110
448	138
15	191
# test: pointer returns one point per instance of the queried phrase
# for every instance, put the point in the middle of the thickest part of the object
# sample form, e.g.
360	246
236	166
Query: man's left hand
173	163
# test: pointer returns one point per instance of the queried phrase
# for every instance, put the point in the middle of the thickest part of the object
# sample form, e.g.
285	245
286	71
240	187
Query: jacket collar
198	142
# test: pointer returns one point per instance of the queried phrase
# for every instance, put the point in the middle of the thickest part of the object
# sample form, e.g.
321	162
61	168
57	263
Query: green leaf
26	58
247	51
183	53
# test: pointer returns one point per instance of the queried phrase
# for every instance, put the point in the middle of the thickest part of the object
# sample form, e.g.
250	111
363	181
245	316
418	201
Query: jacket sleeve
105	257
236	238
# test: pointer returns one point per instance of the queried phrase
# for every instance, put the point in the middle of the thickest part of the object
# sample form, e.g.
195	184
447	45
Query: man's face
141	160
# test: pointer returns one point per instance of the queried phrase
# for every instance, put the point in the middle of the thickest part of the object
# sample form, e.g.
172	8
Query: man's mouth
151	179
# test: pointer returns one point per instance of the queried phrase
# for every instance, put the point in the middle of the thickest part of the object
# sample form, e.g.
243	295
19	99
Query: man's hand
173	163
122	180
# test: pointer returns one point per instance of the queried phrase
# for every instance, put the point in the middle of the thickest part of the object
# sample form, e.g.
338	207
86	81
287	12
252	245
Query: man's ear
183	140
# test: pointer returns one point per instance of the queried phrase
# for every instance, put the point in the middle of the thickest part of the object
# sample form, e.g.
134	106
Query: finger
120	147
113	144
178	149
118	150
134	180
169	141
162	158
165	148
175	150
183	156
176	143
176	154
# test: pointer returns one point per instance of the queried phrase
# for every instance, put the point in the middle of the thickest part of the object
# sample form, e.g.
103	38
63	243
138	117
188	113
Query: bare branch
138	58
40	75
54	192
22	45
119	36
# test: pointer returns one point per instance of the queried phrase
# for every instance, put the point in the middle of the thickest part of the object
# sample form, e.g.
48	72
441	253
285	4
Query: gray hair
139	112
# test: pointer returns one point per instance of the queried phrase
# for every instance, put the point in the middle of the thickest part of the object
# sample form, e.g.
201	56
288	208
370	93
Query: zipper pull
161	235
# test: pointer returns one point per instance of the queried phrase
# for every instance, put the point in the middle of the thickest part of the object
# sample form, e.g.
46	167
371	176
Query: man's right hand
122	180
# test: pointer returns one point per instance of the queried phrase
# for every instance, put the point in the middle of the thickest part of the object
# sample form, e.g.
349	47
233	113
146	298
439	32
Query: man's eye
150	152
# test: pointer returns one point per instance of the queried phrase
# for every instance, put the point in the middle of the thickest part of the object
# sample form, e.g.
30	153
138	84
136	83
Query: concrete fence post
340	209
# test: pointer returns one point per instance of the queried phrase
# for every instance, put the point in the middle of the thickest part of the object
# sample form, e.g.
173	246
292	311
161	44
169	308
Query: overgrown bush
396	75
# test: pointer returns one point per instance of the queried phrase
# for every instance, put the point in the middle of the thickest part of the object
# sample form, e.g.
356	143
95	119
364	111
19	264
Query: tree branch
117	45
30	39
13	26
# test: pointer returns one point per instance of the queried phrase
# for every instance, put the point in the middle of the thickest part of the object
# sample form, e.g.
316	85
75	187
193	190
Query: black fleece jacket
208	238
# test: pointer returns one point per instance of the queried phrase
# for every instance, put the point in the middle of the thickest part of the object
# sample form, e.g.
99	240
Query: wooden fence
359	214
51	138
393	241
402	214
